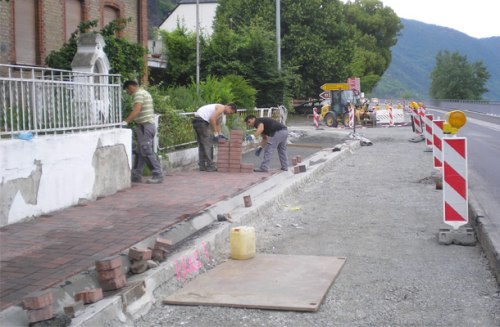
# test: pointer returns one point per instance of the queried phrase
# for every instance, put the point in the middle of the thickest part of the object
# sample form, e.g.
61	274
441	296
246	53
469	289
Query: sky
477	18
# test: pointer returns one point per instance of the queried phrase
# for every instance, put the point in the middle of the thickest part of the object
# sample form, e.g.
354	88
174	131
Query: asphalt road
379	208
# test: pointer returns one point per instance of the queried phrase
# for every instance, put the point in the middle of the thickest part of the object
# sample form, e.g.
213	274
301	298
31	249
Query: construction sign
354	83
455	188
334	86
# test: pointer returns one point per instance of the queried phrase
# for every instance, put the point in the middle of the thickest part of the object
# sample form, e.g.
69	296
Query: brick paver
45	251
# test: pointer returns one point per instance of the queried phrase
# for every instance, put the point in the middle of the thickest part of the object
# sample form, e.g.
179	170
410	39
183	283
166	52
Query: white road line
486	124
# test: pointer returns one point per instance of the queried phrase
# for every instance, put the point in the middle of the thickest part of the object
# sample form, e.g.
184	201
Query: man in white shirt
205	117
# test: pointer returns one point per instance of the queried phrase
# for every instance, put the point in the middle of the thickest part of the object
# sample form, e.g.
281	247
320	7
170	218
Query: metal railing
44	101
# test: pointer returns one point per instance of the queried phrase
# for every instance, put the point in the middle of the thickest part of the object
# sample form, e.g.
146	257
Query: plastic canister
242	239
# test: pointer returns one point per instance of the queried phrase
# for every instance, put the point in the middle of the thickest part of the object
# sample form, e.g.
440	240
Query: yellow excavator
342	98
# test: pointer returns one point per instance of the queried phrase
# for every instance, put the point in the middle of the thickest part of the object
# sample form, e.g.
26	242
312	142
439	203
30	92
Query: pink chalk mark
205	250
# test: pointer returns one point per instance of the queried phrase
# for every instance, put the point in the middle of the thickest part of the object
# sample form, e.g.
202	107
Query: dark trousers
205	144
144	152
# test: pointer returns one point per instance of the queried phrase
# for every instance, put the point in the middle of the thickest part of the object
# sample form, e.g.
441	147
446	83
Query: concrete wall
53	172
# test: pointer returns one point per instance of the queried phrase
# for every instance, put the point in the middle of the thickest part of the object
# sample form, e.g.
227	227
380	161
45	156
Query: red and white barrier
437	142
455	187
428	131
316	117
351	117
391	117
416	122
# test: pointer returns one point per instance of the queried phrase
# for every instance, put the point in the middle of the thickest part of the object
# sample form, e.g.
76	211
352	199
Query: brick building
31	29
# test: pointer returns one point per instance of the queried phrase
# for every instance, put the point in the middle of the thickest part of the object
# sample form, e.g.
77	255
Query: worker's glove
124	123
258	151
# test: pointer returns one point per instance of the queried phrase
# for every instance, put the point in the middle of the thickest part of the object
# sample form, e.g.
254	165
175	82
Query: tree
377	28
247	52
181	56
454	77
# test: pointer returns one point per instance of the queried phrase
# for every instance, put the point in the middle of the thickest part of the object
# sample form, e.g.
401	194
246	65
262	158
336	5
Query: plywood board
268	281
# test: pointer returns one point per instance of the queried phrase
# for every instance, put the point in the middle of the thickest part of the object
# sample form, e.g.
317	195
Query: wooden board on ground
268	281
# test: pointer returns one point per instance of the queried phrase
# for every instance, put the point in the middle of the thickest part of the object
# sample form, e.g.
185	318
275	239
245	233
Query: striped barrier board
383	117
437	149
428	131
455	186
417	122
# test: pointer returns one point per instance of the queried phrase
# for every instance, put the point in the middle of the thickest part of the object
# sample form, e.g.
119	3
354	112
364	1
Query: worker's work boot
155	180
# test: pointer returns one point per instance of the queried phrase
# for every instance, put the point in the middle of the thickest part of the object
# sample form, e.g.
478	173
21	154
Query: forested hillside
413	59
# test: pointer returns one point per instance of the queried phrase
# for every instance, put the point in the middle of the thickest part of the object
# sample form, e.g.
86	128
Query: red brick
163	243
296	169
224	145
108	263
73	309
109	274
139	254
247	200
161	254
234	170
236	149
302	168
222	141
294	161
223	165
299	159
223	170
246	166
38	300
89	296
42	314
113	284
237	132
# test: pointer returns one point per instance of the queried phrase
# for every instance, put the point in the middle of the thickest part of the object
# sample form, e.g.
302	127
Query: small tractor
342	99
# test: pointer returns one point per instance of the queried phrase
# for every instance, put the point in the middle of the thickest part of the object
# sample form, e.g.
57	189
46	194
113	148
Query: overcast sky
477	18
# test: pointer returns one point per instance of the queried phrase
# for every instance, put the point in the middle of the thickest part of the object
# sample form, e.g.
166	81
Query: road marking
486	124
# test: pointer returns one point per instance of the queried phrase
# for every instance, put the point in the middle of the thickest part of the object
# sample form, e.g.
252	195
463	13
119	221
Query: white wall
186	15
53	172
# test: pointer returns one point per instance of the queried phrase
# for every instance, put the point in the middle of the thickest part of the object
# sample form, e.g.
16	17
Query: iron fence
44	101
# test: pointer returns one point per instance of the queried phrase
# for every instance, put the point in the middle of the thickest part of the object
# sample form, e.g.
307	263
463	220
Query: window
25	15
73	17
110	14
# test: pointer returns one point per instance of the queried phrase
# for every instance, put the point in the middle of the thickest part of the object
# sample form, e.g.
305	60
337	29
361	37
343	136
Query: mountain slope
413	59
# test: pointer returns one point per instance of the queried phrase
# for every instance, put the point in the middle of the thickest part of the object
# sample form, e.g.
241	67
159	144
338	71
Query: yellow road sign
334	86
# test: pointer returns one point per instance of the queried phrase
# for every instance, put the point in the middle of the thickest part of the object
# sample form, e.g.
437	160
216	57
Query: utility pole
278	33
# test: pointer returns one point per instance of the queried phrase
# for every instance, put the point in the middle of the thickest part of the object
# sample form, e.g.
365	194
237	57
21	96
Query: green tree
454	77
124	57
248	52
376	31
180	47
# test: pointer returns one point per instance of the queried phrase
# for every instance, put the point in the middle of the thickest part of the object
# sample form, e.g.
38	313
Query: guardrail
44	100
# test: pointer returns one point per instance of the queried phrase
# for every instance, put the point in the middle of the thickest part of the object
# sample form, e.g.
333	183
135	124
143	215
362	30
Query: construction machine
342	99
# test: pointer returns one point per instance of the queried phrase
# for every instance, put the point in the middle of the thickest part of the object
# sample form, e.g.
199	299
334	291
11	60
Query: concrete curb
489	240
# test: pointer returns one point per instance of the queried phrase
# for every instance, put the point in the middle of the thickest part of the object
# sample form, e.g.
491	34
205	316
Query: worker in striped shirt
143	115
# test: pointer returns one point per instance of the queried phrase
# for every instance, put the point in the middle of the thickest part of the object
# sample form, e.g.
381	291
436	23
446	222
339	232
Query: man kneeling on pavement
274	136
